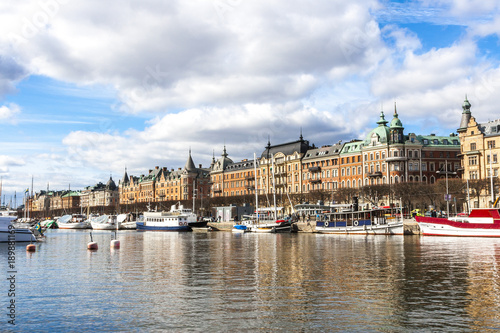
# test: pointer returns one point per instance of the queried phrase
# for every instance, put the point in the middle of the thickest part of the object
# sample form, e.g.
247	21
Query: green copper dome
396	123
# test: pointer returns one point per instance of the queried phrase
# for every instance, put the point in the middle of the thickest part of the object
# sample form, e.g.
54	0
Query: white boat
8	233
481	222
106	222
75	221
129	222
177	219
365	222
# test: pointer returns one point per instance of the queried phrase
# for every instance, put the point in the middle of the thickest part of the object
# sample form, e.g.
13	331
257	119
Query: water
224	282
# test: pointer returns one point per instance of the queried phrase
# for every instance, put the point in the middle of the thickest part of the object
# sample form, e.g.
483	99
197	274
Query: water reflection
231	282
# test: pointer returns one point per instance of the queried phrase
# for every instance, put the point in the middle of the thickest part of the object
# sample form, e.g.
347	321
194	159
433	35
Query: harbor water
225	282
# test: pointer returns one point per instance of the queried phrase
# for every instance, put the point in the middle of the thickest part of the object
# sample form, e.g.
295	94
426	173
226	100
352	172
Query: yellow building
480	147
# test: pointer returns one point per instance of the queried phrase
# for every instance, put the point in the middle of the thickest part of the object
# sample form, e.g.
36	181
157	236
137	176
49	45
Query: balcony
396	159
249	177
315	169
315	181
375	174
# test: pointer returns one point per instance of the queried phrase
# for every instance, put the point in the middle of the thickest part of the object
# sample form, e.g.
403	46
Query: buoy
92	245
31	248
115	244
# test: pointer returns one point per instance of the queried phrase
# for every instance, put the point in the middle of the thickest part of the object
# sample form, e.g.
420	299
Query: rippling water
221	281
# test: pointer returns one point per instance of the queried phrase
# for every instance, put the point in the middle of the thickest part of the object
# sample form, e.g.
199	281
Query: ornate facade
480	148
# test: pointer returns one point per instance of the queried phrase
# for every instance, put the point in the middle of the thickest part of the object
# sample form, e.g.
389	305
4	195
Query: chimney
200	166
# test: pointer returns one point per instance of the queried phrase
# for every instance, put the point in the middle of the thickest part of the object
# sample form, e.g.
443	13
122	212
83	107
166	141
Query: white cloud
186	54
9	112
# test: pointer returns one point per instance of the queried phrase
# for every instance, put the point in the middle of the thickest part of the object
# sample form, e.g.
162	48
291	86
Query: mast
274	191
194	193
491	178
256	186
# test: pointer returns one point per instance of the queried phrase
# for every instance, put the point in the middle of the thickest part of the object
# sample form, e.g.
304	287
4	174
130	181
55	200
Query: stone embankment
410	226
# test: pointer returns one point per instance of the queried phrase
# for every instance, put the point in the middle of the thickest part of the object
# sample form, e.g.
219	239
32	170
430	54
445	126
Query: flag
27	190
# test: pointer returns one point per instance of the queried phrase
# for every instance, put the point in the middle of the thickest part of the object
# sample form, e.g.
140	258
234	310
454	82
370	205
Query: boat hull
432	229
142	227
77	225
103	226
482	222
377	229
20	235
198	224
270	228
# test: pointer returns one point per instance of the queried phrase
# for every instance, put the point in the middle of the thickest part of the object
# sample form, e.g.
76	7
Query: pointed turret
190	164
125	179
466	114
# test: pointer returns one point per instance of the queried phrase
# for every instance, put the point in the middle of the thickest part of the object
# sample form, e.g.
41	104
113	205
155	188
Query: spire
396	123
301	137
190	164
125	179
224	153
466	115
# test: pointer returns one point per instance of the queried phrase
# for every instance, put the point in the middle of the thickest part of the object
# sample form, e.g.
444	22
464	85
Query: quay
410	226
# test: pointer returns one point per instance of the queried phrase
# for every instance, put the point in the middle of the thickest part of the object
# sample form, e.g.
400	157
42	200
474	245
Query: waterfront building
386	156
480	148
232	179
320	168
161	184
287	158
100	196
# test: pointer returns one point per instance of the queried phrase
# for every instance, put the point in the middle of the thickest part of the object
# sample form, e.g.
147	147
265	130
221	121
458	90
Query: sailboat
266	219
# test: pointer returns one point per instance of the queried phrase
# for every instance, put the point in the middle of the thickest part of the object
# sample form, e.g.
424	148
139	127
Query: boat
376	221
106	222
481	222
130	222
177	219
266	220
8	233
240	228
75	221
199	223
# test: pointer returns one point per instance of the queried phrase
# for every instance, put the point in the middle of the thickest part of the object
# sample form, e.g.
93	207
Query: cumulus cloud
186	54
9	112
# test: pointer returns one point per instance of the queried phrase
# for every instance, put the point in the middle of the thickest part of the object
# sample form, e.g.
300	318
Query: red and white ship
481	222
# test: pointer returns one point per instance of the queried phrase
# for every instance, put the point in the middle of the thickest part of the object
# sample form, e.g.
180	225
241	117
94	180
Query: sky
89	88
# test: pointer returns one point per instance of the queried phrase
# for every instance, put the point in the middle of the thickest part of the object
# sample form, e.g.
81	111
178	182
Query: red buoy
92	246
31	248
115	244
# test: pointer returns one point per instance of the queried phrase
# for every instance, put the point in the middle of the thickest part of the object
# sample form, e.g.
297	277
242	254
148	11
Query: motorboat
75	221
106	222
481	222
9	233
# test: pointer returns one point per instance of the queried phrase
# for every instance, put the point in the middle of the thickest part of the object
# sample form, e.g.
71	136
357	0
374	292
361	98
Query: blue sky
87	88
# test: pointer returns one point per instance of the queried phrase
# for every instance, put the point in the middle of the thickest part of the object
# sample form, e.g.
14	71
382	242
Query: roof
323	151
300	146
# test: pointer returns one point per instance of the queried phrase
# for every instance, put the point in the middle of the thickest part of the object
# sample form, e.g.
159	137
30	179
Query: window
473	146
491	144
472	160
